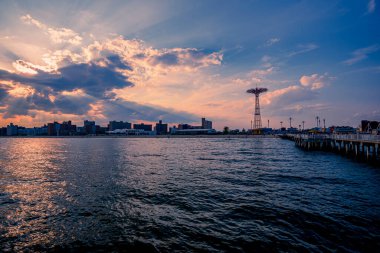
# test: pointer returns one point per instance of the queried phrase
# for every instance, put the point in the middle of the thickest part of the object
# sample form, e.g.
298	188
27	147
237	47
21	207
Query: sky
178	61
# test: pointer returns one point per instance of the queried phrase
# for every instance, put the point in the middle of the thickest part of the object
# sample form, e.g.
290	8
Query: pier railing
356	137
340	137
365	147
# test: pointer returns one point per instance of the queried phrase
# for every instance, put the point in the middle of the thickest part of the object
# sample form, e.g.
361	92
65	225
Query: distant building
3	131
344	130
67	128
142	126
206	124
100	129
41	130
203	128
12	129
370	126
113	125
130	132
89	127
161	128
53	129
184	126
196	131
81	131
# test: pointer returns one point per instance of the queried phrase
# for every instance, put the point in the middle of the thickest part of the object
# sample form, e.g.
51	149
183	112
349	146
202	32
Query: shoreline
144	136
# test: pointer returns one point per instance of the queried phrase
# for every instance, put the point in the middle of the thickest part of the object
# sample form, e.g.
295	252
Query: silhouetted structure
142	126
12	129
257	115
53	129
89	127
369	126
67	128
113	125
206	124
161	128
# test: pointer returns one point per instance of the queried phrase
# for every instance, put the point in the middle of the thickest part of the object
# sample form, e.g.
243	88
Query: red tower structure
257	115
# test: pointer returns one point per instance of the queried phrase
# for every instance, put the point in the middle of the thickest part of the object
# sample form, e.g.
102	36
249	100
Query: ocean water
165	195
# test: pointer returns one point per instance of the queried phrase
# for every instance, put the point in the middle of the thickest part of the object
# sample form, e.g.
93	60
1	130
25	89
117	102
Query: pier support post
356	150
367	152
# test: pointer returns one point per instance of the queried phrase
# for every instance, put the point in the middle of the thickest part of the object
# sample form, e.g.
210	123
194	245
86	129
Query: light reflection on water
183	194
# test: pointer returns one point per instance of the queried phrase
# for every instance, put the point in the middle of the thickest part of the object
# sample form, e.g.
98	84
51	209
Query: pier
361	147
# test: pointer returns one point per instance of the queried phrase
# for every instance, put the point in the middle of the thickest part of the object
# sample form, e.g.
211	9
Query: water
211	195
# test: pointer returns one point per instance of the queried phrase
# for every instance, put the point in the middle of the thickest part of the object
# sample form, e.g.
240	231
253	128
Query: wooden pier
361	147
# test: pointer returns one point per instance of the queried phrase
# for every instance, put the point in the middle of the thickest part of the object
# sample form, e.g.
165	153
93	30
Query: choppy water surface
183	194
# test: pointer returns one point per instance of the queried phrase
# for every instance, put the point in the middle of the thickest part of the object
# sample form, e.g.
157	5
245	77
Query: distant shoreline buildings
90	128
66	128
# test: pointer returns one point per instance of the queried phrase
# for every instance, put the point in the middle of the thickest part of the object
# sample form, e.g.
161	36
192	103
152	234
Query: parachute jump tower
257	117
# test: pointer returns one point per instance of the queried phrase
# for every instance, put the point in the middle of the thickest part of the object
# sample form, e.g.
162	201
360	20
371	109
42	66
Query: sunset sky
141	61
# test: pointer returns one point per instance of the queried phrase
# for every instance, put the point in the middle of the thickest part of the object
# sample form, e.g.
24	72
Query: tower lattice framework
257	116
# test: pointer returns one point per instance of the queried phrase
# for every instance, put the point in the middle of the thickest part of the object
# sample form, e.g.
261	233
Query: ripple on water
152	195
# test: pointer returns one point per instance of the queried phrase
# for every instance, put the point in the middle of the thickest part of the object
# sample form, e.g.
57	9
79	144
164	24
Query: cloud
258	75
103	79
121	109
57	35
361	54
370	115
93	77
79	103
271	42
303	48
3	94
149	63
61	104
315	81
95	80
371	6
297	98
166	59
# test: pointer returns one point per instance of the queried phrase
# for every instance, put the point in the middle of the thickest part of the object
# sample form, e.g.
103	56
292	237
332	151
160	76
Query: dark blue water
185	195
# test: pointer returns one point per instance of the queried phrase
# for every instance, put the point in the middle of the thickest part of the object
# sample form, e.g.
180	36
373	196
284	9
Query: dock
361	147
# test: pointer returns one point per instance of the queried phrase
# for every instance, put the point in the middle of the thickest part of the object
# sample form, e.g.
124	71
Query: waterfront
211	194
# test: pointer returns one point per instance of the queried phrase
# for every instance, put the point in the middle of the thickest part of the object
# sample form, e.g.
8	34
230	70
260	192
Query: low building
192	131
113	125
89	127
161	128
67	128
206	124
130	132
370	126
12	130
41	130
142	126
185	126
3	131
54	129
344	130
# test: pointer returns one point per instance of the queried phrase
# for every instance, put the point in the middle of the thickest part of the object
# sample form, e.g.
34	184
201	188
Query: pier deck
362	147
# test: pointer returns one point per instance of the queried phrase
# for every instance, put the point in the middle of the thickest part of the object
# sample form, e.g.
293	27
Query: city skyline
146	61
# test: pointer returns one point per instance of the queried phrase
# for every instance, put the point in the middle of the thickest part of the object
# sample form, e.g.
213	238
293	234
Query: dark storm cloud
16	106
61	104
121	109
93	79
96	81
